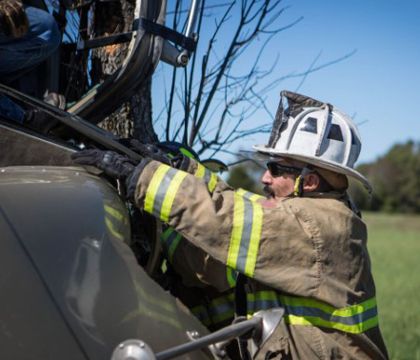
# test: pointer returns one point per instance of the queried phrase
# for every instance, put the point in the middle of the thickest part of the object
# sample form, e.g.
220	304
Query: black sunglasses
277	169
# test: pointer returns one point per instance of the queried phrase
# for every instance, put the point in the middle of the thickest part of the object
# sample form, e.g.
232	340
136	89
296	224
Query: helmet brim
331	166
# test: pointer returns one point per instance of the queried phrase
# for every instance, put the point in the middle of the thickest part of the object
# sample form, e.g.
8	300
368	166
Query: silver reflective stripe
207	175
301	311
314	312
173	242
222	312
264	304
246	235
170	240
200	312
162	190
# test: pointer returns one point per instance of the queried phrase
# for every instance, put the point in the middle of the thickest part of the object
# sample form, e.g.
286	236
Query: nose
267	179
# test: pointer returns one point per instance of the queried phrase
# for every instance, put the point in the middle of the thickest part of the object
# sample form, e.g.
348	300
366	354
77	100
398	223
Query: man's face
279	184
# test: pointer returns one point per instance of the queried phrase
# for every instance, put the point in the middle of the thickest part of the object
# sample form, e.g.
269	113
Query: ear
311	182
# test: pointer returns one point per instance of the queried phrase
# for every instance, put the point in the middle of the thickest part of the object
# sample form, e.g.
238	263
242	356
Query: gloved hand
13	20
114	165
168	153
148	150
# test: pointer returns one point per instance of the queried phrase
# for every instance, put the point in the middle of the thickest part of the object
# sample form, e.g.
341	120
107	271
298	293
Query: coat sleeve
201	172
195	266
232	226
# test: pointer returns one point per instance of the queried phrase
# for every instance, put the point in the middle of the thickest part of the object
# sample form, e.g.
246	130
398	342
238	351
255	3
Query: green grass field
394	245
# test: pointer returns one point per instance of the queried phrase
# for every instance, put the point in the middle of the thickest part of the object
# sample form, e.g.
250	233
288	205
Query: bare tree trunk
141	113
133	118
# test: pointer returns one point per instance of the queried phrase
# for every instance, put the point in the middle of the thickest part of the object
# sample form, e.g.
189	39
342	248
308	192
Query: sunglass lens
274	169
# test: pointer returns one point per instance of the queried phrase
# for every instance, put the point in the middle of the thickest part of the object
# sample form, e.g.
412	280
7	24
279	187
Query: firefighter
211	300
302	248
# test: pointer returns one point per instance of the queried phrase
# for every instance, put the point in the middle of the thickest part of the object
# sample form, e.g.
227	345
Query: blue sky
379	85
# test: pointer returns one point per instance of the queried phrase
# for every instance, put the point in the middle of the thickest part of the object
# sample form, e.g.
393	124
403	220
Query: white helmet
315	133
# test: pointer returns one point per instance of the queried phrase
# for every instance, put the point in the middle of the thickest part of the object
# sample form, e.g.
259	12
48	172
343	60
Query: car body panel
20	147
78	285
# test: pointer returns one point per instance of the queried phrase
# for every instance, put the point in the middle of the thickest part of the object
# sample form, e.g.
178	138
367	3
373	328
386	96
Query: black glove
148	150
13	20
158	152
114	165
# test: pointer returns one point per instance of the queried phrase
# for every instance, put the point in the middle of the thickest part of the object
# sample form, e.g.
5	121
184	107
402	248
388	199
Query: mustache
268	191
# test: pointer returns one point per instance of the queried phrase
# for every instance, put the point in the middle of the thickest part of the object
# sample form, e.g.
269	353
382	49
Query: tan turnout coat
307	255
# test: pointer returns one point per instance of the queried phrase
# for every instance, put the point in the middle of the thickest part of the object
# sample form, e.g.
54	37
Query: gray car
71	287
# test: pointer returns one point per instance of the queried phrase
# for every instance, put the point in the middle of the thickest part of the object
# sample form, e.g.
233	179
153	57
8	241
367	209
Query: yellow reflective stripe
114	212
254	243
347	311
217	310
111	227
165	235
209	176
230	314
170	240
170	195
222	308
200	312
312	320
223	299
186	153
200	171
266	295
231	277
237	227
213	181
154	187
310	312
255	197
249	195
173	246
246	235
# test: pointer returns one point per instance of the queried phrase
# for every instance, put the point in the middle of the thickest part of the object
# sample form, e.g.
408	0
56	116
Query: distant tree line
395	178
246	175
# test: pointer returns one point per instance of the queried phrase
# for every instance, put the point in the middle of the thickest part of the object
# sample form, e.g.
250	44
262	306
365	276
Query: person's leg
10	110
34	119
41	41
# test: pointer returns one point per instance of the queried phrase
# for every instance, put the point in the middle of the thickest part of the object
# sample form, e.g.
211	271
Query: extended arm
232	227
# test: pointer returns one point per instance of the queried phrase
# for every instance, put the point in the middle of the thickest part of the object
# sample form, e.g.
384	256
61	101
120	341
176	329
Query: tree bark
141	114
133	118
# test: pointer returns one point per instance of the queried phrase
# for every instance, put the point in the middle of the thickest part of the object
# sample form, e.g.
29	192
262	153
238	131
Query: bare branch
306	72
217	99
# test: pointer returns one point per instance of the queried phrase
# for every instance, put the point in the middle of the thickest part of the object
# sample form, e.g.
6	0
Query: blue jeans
10	110
18	55
38	44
